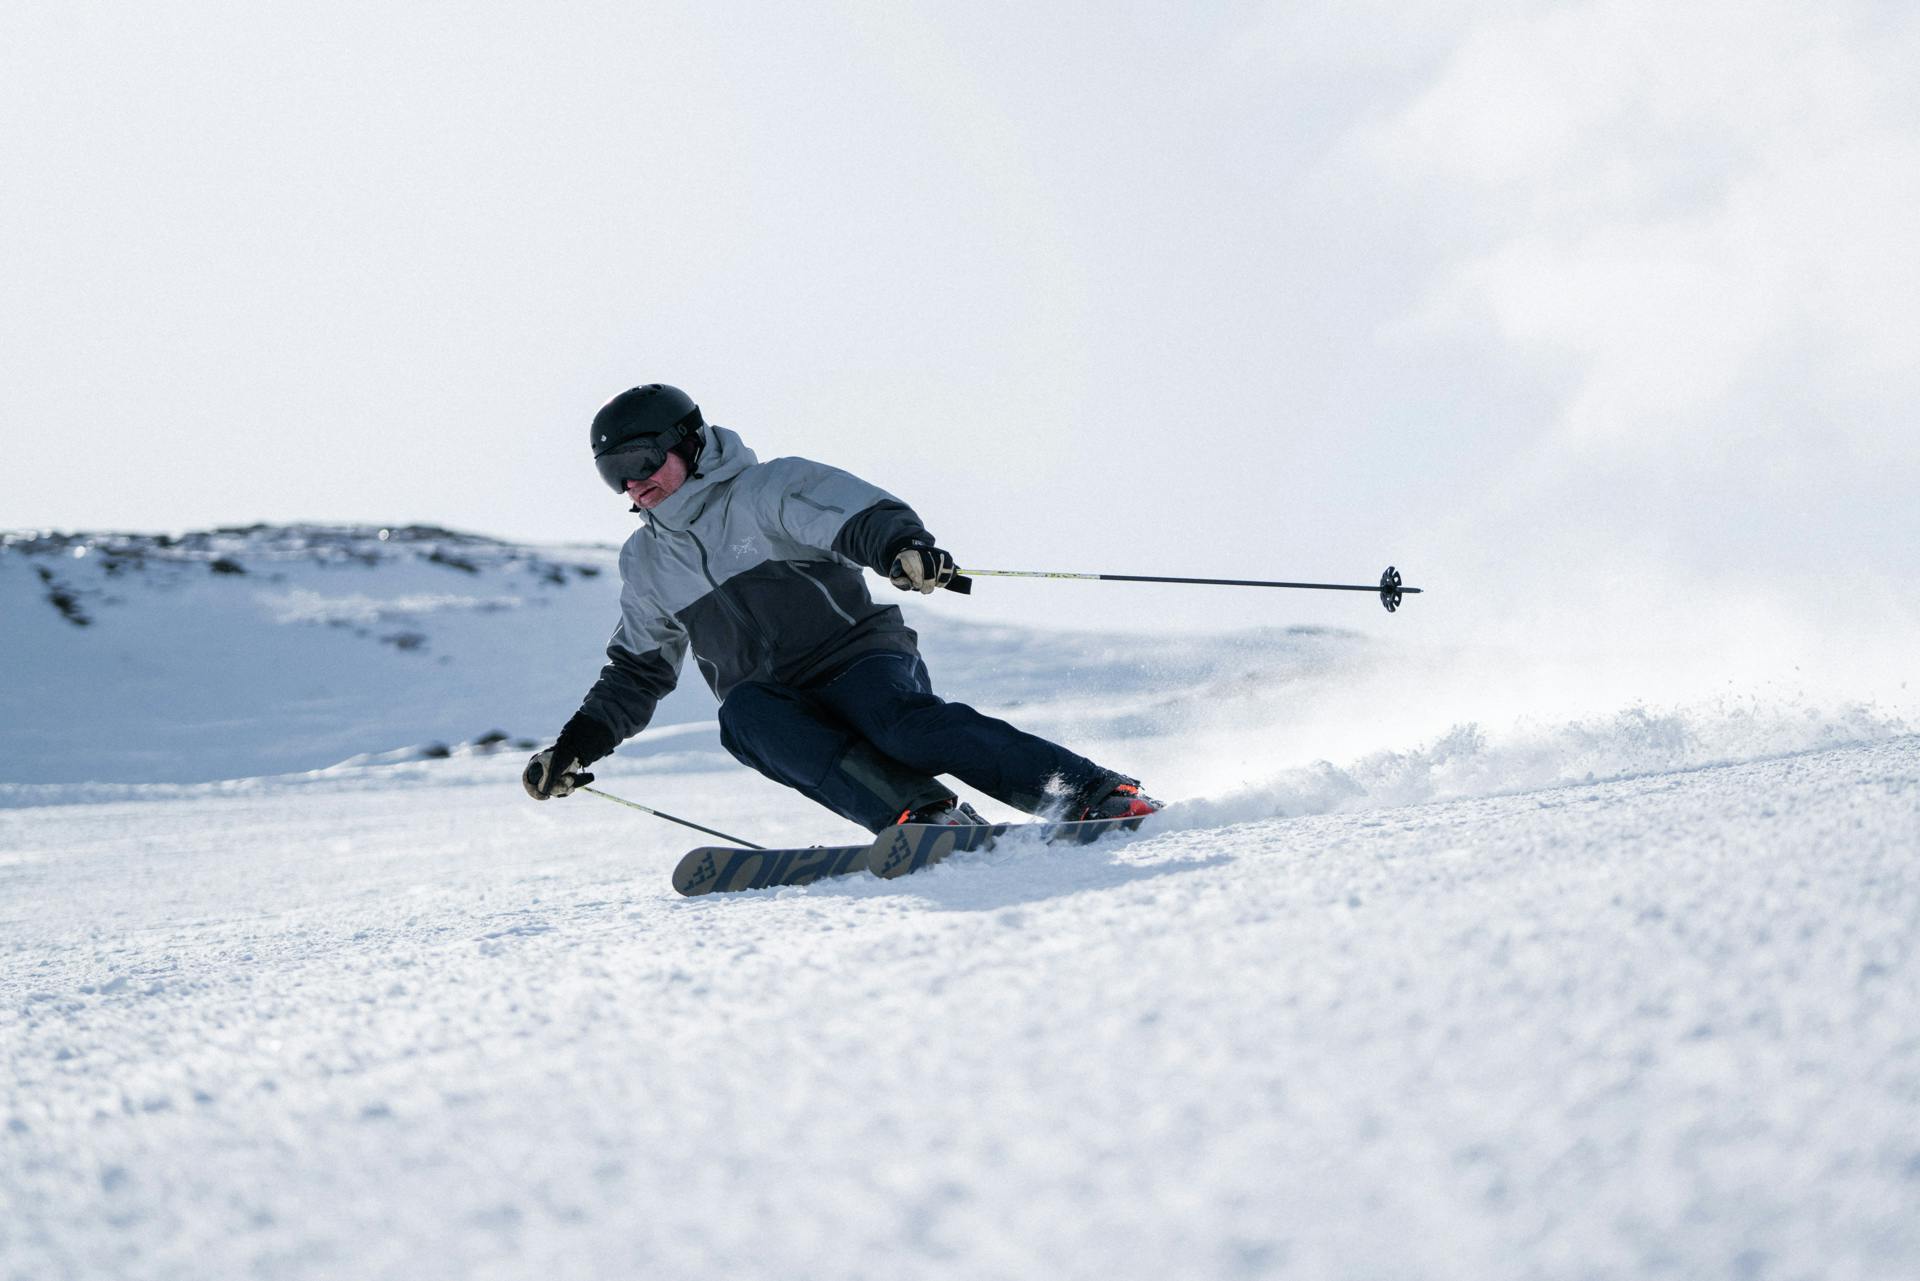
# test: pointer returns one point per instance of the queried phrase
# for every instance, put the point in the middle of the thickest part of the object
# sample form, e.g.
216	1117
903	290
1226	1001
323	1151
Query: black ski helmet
635	431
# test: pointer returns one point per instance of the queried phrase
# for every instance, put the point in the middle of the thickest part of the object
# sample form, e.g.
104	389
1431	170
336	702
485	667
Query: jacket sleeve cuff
586	739
871	537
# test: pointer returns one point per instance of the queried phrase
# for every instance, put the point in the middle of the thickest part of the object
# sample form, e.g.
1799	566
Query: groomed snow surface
1616	996
418	1026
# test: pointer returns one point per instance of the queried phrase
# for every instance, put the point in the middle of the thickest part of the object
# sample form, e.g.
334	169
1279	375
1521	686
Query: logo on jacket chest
744	547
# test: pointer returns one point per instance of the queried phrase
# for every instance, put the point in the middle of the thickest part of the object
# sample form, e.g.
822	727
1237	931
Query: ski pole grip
960	583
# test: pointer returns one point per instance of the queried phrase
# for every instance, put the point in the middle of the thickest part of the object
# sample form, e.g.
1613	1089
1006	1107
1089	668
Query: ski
721	868
897	851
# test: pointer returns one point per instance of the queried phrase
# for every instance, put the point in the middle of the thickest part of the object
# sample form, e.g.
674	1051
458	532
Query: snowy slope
247	652
407	1024
266	650
1407	984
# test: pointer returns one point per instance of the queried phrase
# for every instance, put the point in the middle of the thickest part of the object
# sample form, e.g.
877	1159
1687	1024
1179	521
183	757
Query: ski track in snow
404	1023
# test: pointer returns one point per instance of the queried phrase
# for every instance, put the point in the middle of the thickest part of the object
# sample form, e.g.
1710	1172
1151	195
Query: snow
1615	991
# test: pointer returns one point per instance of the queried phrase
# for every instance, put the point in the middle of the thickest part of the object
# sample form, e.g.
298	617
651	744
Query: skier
756	567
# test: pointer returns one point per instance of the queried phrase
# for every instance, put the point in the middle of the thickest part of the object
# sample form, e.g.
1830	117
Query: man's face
656	489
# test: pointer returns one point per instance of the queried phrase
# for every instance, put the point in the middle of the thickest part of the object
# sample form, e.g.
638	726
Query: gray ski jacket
757	568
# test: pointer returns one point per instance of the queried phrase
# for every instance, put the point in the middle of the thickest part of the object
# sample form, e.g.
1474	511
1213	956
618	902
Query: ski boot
1117	798
951	812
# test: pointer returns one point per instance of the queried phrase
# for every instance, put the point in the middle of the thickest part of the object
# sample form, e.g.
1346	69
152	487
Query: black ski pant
867	744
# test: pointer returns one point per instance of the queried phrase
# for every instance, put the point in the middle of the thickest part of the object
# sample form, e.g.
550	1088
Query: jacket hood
724	457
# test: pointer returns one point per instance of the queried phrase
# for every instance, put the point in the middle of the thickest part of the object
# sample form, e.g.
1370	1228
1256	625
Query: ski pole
635	805
1389	587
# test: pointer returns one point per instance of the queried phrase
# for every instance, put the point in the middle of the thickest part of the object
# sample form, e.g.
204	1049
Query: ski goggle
641	457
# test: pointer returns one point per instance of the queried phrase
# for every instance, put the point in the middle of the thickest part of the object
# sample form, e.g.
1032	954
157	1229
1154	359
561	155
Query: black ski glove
561	768
554	772
921	568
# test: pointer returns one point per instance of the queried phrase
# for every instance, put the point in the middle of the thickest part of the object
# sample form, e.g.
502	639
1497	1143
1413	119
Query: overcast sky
1617	301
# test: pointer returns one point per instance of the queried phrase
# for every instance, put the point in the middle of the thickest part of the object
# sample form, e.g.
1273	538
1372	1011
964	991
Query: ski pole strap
635	805
1389	588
